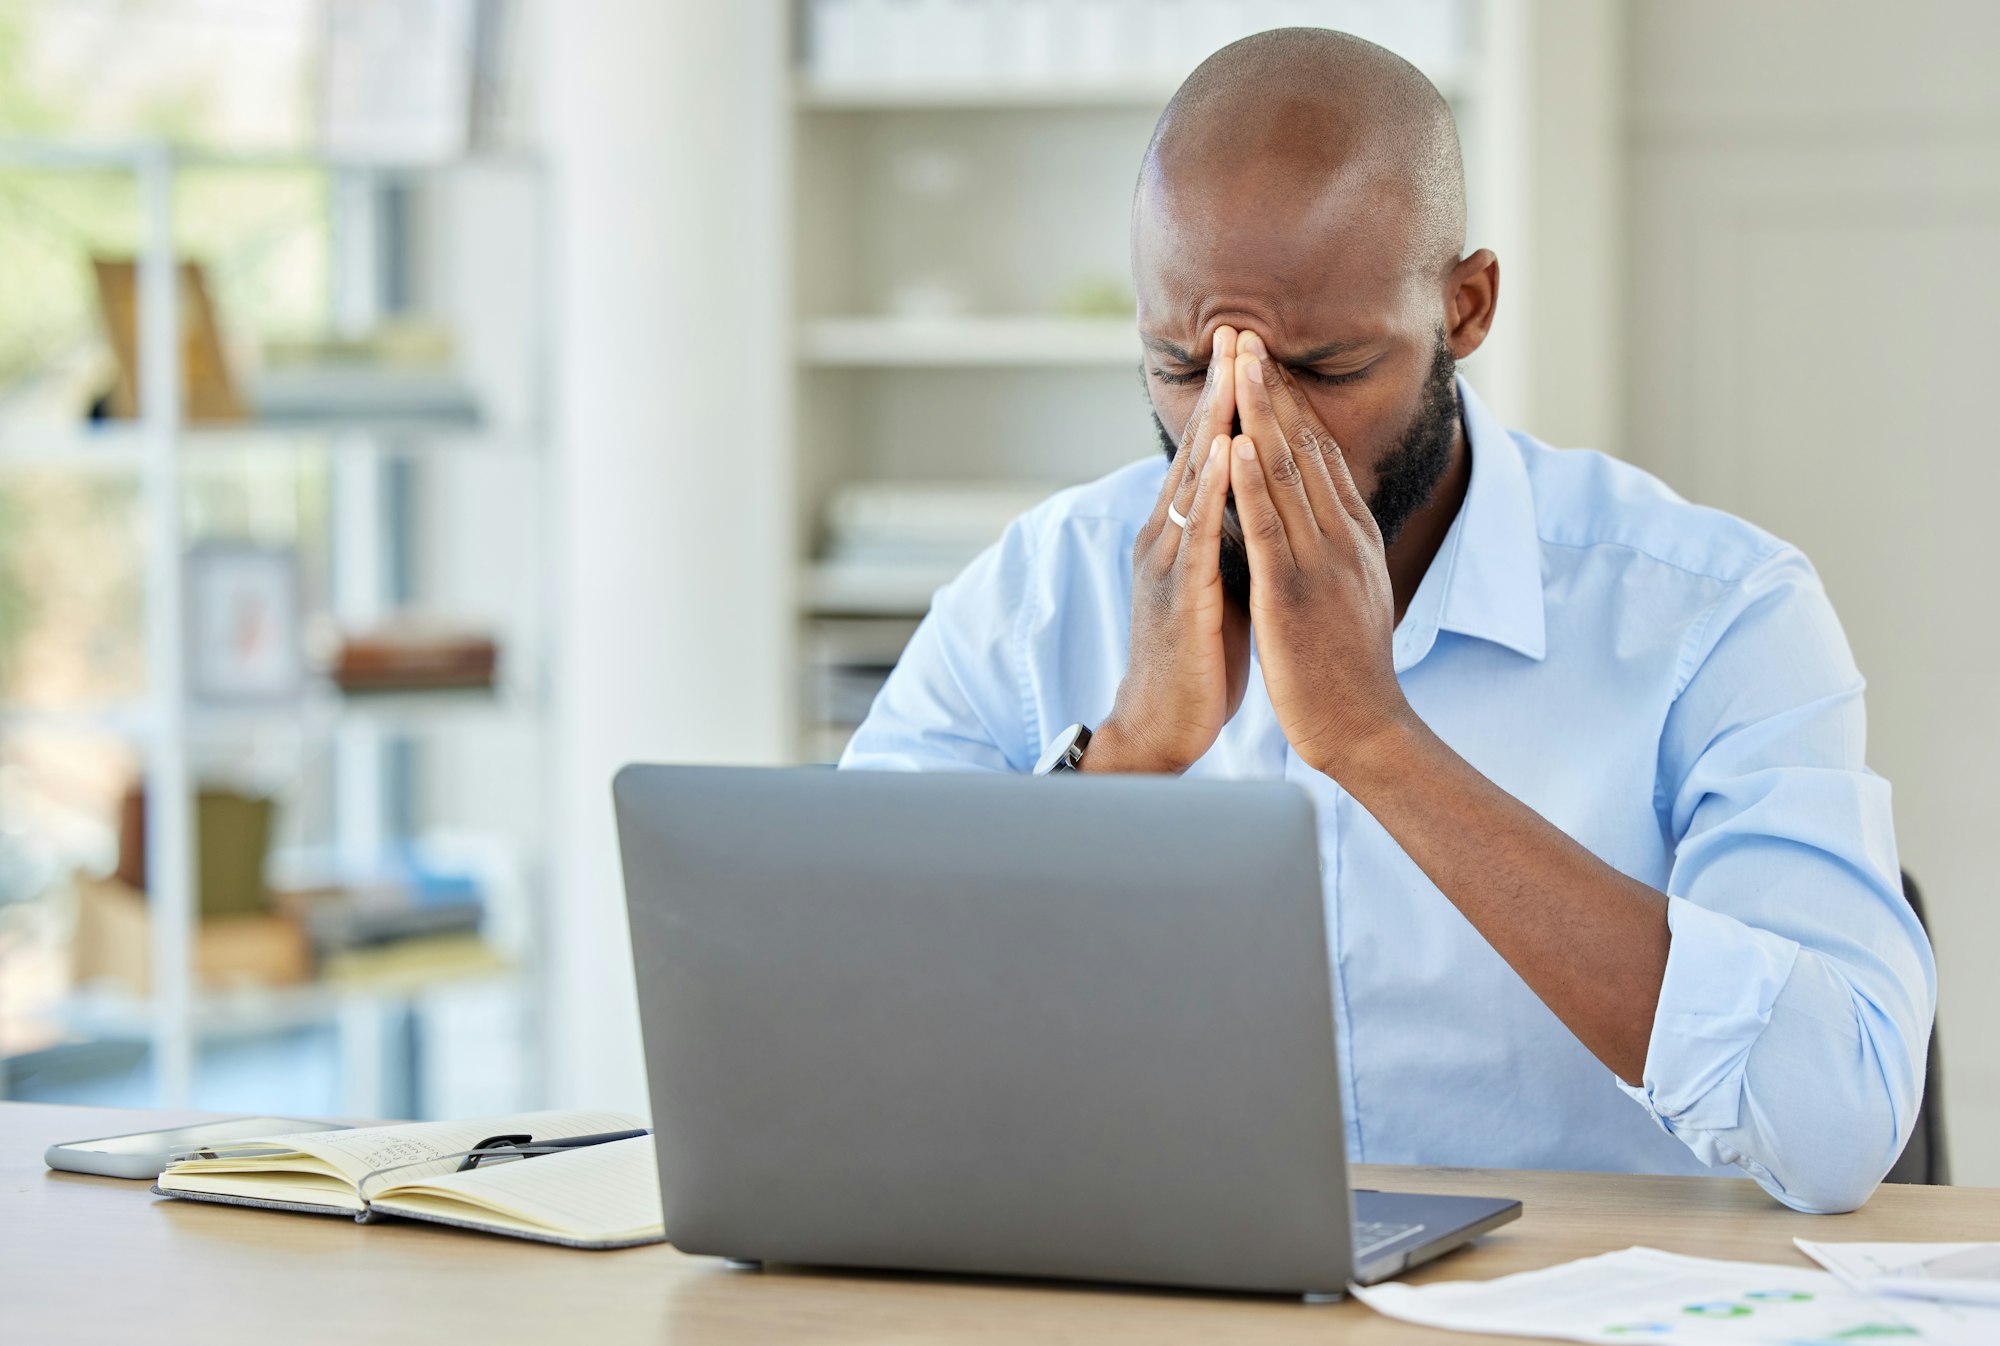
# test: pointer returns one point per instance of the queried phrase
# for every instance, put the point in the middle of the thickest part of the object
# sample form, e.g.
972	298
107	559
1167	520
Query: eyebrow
1327	351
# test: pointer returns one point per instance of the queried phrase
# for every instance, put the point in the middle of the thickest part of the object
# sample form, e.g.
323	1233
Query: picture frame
245	628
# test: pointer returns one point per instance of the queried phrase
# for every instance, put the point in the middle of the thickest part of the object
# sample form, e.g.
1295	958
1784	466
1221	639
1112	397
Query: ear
1471	292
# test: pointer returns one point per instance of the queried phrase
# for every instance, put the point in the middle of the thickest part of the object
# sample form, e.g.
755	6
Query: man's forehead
1314	267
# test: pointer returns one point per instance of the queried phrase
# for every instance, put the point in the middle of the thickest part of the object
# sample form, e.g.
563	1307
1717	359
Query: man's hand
1320	599
1190	652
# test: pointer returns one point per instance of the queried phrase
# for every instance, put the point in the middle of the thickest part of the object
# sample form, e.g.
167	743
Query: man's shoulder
1585	499
1120	500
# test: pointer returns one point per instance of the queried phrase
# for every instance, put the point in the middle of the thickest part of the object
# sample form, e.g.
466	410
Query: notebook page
354	1154
600	1192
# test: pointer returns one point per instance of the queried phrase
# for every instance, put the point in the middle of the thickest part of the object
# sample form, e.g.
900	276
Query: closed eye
1316	376
1191	376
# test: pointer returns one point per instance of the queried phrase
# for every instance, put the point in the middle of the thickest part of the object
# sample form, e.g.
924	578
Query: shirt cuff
1722	978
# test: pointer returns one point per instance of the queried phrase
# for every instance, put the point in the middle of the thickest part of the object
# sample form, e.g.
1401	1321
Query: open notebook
597	1196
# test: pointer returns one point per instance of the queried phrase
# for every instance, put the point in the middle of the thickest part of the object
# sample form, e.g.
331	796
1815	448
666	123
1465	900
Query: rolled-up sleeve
955	700
1793	1020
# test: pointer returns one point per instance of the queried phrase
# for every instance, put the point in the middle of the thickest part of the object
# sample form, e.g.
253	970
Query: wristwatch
1064	754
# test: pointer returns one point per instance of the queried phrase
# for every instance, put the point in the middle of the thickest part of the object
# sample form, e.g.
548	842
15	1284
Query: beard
1405	479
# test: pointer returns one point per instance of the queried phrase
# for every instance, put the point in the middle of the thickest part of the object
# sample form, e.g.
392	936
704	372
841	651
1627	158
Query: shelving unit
972	342
1017	189
391	229
981	94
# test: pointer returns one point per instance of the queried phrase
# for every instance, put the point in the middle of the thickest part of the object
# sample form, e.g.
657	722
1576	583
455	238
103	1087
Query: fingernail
1253	369
1245	449
1253	341
1217	446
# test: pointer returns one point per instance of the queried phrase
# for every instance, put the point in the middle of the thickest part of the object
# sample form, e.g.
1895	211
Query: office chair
1923	1159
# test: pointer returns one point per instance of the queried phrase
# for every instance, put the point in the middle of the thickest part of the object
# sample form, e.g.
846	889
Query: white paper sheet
1966	1273
1644	1295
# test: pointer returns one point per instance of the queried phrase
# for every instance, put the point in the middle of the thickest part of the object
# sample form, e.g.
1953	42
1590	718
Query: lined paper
599	1193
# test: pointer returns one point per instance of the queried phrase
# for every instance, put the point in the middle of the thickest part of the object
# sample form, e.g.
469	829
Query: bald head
1291	117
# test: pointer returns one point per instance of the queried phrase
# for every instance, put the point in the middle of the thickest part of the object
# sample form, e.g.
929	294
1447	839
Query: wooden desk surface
98	1259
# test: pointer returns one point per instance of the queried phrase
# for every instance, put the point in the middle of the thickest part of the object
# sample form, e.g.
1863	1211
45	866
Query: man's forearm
1590	941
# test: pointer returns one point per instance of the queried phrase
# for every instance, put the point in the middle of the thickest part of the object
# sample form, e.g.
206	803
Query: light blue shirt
1663	682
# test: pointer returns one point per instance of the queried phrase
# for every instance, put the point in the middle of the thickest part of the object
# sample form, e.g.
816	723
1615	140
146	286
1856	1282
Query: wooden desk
96	1259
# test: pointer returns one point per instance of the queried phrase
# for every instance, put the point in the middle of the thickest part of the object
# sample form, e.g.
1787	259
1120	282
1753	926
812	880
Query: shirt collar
1486	579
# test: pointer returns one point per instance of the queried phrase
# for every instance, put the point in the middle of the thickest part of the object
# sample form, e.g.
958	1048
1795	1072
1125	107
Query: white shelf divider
171	843
131	156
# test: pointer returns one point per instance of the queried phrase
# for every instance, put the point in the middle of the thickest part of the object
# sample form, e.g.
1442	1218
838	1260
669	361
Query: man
1608	884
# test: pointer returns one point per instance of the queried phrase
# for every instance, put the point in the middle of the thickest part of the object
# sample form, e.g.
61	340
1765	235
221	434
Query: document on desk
1965	1273
1644	1295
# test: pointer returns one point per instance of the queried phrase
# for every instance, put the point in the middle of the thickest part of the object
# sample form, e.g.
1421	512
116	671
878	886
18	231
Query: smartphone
142	1154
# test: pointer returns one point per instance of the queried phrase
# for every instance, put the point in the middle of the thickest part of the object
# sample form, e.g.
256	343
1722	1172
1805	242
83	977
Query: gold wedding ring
1180	519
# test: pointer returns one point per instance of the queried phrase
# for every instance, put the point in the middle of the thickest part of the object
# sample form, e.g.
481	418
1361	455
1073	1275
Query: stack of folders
595	1196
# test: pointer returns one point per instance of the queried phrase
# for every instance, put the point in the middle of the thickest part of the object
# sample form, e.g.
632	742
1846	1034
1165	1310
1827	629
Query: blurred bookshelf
980	93
382	483
833	343
961	176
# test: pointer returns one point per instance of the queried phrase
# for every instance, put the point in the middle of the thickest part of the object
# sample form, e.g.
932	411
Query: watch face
1058	757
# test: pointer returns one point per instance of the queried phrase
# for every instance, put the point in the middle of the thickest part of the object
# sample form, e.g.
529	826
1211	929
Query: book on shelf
111	942
413	656
594	1196
363	916
405	891
877	519
889	544
334	392
209	392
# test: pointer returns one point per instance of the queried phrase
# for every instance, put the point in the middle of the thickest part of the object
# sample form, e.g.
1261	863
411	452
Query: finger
1157	522
1281	470
1294	410
1181	473
1184	497
1310	441
1264	536
1213	414
1177	474
1221	419
1201	541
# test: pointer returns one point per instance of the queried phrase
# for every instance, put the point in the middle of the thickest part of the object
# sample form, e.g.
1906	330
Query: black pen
527	1147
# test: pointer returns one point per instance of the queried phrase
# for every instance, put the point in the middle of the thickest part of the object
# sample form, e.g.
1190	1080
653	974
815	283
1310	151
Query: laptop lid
1072	1027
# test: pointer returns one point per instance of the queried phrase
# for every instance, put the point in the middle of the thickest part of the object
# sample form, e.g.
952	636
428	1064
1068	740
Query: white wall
664	129
1815	257
1573	272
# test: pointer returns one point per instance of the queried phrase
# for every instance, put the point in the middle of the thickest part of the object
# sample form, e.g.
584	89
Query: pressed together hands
1590	941
1321	603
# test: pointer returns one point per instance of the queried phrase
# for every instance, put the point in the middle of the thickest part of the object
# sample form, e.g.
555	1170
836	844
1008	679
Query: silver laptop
1068	1027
